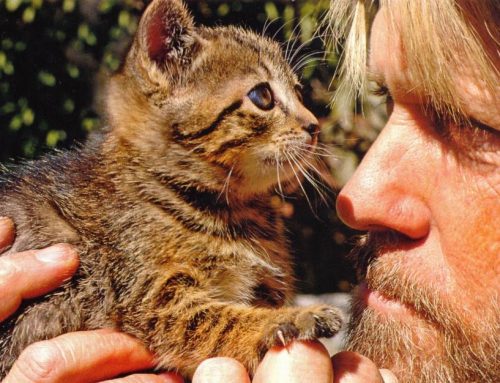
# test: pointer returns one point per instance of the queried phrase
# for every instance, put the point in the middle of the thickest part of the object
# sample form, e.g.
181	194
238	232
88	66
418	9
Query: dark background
54	56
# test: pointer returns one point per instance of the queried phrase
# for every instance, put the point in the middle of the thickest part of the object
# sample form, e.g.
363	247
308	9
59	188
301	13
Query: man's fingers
148	378
7	233
298	362
350	367
81	357
218	370
33	273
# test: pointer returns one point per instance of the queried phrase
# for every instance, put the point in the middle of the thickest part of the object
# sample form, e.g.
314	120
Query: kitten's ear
166	32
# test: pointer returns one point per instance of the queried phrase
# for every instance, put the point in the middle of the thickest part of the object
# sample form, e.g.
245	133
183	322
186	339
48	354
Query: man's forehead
387	65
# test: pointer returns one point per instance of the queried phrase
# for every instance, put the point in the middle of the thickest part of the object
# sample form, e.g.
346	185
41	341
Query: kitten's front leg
183	325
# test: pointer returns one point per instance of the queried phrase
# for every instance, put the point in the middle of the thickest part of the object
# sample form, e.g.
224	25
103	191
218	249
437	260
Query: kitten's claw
281	337
309	323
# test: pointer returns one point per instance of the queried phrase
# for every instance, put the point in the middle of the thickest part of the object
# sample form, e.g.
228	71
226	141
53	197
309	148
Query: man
427	194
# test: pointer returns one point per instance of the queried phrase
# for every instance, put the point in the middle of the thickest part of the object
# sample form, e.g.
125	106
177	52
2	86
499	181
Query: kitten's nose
312	129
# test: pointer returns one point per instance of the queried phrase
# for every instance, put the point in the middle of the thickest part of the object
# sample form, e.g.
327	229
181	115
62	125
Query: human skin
435	187
91	356
438	194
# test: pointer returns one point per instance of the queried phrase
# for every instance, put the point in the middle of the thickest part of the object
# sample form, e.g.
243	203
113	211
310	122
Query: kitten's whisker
309	56
300	48
267	24
225	187
296	51
229	180
311	180
306	66
319	150
278	175
313	165
300	183
316	153
191	151
306	60
280	29
289	49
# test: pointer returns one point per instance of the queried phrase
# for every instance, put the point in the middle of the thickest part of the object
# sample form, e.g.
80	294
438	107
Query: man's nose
385	192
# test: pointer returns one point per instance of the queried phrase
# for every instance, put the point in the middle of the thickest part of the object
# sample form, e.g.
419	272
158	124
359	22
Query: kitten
170	206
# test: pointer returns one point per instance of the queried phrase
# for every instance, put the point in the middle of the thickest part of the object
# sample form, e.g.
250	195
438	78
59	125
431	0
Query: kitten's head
224	98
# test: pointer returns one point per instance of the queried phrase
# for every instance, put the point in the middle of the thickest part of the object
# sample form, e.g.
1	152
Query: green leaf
223	10
69	106
12	5
28	117
69	6
29	15
16	123
46	78
9	68
124	19
89	124
73	71
54	136
3	59
271	11
37	4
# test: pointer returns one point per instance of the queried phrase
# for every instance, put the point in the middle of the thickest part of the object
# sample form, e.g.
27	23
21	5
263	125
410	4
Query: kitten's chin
264	177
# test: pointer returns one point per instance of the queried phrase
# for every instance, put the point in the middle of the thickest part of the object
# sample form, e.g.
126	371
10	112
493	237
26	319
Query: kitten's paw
309	323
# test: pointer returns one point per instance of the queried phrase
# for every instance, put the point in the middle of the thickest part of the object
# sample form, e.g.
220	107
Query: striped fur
170	207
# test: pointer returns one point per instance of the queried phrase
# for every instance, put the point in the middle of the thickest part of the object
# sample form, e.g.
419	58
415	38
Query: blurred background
56	54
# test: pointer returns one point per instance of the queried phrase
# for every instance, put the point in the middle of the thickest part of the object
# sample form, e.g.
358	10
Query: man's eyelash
382	90
449	127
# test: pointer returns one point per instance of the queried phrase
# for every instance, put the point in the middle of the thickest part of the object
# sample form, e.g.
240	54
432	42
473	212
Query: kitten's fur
170	207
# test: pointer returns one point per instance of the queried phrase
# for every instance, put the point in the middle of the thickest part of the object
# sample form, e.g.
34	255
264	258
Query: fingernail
5	221
6	233
56	253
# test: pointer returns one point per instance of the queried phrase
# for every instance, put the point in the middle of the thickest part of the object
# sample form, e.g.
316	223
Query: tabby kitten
170	207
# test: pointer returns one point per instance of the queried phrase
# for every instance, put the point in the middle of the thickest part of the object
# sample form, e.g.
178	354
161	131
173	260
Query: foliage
54	55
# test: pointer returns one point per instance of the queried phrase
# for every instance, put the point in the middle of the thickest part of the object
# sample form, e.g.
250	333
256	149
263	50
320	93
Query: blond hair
436	35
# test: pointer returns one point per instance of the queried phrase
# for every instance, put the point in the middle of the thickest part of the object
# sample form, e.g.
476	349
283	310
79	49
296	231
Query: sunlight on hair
444	41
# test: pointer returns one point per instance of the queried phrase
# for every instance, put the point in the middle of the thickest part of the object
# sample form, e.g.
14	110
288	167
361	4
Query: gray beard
420	352
439	343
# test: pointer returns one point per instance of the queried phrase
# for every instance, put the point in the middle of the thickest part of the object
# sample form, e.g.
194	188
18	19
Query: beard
440	341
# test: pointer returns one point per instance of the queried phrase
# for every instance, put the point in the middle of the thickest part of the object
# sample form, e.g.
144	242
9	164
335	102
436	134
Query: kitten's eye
262	96
298	92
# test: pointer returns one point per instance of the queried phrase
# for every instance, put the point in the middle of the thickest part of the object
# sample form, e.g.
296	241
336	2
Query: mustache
383	272
370	246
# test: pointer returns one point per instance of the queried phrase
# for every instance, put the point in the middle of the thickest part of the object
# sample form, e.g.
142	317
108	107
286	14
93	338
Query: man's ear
166	33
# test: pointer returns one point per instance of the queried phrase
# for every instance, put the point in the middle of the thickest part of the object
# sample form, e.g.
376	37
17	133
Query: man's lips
381	304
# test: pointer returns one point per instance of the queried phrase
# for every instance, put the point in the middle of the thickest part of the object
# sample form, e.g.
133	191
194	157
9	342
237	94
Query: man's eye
465	133
382	90
262	96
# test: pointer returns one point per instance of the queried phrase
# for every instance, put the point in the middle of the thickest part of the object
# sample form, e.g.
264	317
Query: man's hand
300	362
82	357
31	273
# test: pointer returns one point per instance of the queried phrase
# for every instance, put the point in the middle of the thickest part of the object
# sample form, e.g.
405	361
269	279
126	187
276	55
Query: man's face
428	193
